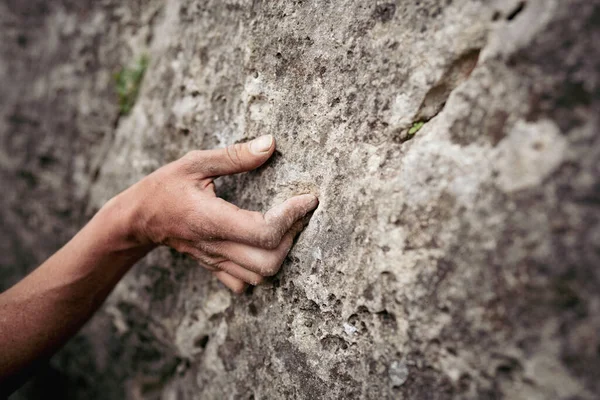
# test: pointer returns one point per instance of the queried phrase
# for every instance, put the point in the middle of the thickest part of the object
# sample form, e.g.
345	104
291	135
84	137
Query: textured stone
456	262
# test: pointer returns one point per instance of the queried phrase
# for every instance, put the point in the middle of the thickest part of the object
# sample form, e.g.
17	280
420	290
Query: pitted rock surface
457	261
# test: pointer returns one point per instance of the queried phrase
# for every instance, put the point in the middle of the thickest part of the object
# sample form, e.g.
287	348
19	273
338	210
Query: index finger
254	228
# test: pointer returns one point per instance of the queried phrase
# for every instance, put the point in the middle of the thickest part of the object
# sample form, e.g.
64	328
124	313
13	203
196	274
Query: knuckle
202	258
221	265
191	161
214	249
269	238
234	154
191	157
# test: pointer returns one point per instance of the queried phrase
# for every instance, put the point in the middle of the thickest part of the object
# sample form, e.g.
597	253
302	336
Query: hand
177	207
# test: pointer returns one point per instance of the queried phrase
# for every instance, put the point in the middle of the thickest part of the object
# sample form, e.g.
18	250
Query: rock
398	373
464	251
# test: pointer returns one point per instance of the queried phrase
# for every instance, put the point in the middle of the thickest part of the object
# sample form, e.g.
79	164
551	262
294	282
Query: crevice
435	100
516	11
458	72
201	342
333	343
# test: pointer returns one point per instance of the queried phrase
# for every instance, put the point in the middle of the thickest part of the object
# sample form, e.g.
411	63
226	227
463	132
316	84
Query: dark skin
175	206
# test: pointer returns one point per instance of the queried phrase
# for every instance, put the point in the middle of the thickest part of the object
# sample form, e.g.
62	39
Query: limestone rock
457	261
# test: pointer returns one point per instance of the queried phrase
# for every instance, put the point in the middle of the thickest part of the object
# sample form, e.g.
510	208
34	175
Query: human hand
177	206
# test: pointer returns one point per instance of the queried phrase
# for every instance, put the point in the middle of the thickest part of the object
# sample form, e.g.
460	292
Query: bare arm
174	206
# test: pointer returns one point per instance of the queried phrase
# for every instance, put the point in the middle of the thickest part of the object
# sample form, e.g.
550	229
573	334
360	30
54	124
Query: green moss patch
128	81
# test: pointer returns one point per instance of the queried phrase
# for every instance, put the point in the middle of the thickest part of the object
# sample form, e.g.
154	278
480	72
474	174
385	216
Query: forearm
43	310
175	206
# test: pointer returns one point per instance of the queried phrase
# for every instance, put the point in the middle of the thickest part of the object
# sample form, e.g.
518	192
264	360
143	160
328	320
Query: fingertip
240	289
314	202
274	144
310	200
234	159
234	284
262	145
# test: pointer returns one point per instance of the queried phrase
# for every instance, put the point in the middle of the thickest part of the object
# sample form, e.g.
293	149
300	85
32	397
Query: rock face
454	147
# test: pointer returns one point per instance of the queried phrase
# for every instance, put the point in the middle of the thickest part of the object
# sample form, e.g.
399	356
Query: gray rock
398	373
467	249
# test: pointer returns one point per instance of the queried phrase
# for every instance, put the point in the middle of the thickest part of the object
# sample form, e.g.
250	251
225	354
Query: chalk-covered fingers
265	231
237	264
236	285
256	260
218	263
240	272
232	275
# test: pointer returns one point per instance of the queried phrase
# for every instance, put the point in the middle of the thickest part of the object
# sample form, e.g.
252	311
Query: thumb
239	157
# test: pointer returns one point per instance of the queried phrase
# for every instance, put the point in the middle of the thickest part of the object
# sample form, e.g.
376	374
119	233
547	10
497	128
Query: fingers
231	268
256	260
232	223
239	264
236	285
239	157
240	272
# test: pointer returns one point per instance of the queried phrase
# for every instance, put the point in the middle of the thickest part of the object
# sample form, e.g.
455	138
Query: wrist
120	218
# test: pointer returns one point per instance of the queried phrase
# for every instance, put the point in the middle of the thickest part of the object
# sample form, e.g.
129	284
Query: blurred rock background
454	147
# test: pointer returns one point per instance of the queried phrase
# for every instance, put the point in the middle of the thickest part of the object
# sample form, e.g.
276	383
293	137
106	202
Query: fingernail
261	144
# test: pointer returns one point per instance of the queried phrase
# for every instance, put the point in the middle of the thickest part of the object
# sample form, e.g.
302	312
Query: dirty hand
177	207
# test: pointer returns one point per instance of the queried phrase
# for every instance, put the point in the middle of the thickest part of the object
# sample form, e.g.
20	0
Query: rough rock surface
460	261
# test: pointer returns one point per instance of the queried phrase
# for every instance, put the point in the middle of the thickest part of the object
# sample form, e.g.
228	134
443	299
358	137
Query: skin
175	206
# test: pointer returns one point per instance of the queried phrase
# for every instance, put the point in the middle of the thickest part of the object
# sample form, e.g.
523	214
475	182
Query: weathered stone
459	261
